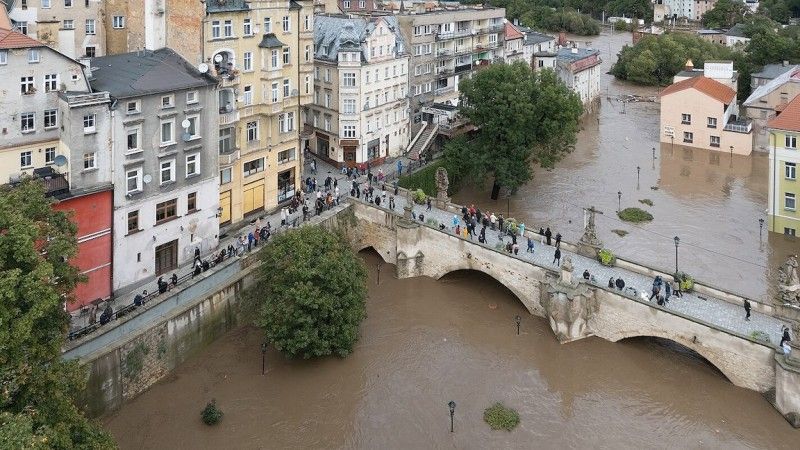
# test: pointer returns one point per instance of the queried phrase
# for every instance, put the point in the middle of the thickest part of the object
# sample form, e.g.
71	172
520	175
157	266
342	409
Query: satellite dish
60	161
218	58
147	178
203	67
186	137
185	124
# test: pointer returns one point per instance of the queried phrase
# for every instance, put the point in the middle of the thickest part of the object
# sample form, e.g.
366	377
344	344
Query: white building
539	49
360	111
165	136
579	68
515	44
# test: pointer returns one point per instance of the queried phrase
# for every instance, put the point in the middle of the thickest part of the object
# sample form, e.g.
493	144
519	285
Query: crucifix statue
589	231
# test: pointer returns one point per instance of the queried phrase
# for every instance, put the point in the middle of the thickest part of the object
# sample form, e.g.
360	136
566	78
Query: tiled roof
512	32
270	41
12	39
736	31
789	118
711	88
334	32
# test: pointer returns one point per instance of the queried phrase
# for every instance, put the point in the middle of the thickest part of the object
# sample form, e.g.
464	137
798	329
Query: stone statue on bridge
589	244
442	184
569	305
789	281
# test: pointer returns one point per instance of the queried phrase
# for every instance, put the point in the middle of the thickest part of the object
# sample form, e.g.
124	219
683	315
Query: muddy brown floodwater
427	342
708	199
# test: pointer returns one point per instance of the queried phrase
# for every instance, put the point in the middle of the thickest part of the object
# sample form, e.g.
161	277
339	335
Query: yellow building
263	54
784	133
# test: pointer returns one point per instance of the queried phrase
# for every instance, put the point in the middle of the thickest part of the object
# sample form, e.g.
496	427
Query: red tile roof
789	118
512	32
12	39
711	88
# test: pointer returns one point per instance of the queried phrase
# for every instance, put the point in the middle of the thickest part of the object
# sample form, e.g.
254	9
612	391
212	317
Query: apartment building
515	43
784	133
360	109
540	49
767	100
73	27
447	45
165	126
262	53
357	6
46	96
579	69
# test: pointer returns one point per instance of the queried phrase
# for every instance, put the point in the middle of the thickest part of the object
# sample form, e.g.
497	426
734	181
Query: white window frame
287	88
194	122
89	123
192	97
68	24
790	141
3	57
24	118
137	109
686	119
33	56
247	61
138	133
711	122
346	4
259	167
349	106
136	176
275	92
168	166
49	155
247	27
688	137
216	29
267	25
287	56
192	162
247	95
286	23
26	86
349	79
54	114
171	138
47	4
251	130
50	82
90	161
118	22
227	28
712	143
349	131
91	27
790	171
26	156
170	101
789	197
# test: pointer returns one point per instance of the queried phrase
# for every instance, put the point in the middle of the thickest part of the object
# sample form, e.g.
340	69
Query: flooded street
711	201
427	342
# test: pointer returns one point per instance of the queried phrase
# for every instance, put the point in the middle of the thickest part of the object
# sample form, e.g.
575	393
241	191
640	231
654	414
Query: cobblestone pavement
712	310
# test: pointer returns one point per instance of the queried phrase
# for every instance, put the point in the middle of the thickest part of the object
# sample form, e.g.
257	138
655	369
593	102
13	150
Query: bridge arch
726	367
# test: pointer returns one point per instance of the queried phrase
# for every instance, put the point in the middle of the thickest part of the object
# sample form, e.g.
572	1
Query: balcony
55	183
444	90
229	79
463	68
228	118
739	126
228	157
444	52
443	71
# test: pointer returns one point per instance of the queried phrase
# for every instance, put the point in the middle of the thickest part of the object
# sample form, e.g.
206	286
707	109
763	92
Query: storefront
286	185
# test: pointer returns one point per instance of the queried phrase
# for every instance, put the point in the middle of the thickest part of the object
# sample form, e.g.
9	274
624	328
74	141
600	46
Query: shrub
685	280
211	413
500	417
760	336
646	201
606	257
620	233
432	222
420	197
635	215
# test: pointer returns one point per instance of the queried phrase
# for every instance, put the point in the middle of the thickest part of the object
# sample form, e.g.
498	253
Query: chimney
785	63
574	50
87	67
689	65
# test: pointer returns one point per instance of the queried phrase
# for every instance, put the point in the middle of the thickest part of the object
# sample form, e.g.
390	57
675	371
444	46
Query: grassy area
424	179
500	417
635	215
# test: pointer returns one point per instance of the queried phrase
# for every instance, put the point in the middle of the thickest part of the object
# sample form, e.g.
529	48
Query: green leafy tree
725	14
311	293
39	389
777	10
521	116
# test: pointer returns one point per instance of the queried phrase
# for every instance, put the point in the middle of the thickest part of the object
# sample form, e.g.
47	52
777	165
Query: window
133	140
274	92
712	122
308	84
133	181
225	175
789	231
327	99
789	201
286	56
287	24
166	210
26	85
327	124
287	88
27	122
248	61
346	4
215	29
227	28
790	171
50	118
90	51
192	128
226	140
68	3
247	27
50	82
286	156
361	4
286	122
191	202
349	79
714	141
25	160
90	26
89	161
49	155
132	107
686	119
791	141
46	4
118	22
191	97
167	171
267	25
89	123
248	95
3	57
254	166
349	131
349	106
68	24
688	137
133	221
252	131
192	165
167	132
307	25
167	101
274	59
33	55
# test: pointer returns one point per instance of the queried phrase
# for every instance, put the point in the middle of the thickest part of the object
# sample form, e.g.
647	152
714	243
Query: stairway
423	141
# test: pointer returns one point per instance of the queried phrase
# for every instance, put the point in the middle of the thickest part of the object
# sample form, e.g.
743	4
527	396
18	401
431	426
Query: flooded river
427	342
708	199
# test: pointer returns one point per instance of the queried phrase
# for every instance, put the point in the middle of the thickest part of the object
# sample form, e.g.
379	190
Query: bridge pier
569	306
787	386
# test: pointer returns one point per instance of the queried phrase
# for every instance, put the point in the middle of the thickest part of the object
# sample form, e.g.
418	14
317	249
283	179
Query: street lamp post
638	171
452	406
677	241
379	265
760	226
619	201
263	358
518	319
731	152
654	153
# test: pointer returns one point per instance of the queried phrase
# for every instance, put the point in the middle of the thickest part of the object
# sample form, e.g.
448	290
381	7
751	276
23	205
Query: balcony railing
463	68
444	90
739	126
228	118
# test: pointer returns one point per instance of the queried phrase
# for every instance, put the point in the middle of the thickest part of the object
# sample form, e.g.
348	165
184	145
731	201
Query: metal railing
739	126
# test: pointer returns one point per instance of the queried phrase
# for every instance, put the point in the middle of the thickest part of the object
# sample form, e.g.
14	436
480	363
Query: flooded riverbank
427	342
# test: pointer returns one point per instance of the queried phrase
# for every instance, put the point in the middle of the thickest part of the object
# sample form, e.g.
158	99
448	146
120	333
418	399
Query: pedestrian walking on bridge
747	310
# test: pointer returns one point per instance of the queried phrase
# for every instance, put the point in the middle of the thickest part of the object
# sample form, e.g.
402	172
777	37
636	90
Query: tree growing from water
522	118
311	293
39	390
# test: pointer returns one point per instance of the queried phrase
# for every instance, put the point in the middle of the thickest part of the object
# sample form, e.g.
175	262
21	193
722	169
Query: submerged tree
37	401
311	293
522	117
